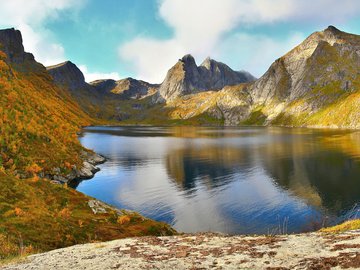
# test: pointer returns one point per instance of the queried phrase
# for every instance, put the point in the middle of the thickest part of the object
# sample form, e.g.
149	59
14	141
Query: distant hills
315	84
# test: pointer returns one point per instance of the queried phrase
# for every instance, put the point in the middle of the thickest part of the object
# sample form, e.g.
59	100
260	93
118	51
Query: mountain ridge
185	77
315	76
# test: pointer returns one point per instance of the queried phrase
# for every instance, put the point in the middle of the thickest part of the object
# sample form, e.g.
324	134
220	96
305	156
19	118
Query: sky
144	38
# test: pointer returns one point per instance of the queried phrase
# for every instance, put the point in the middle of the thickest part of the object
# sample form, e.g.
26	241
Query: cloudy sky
144	38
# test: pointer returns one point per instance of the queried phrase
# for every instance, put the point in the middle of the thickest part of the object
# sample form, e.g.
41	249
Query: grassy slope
38	125
38	122
41	216
346	226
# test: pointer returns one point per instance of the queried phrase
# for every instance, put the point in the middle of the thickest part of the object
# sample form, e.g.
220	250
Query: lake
232	180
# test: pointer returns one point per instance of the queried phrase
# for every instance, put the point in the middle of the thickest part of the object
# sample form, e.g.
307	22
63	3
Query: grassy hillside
38	122
38	216
38	136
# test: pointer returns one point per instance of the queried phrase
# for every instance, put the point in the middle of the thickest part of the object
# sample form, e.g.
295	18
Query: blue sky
144	38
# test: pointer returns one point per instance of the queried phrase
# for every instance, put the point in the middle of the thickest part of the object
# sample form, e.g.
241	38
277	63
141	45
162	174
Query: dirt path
204	251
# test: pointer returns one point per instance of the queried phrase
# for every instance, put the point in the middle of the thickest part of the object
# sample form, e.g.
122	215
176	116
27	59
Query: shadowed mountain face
68	75
12	46
101	98
187	78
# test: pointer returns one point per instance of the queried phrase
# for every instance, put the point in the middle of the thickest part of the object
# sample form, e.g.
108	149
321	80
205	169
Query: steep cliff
185	77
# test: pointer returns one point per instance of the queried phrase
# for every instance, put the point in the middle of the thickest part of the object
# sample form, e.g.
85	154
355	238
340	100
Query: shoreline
314	127
87	171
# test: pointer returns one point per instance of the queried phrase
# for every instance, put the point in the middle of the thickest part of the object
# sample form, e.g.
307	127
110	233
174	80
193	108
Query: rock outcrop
68	75
127	88
185	77
206	251
11	44
76	175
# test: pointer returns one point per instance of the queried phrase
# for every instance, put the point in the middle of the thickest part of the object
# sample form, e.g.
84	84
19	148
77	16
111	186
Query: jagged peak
101	81
188	58
12	43
332	29
207	62
63	64
10	31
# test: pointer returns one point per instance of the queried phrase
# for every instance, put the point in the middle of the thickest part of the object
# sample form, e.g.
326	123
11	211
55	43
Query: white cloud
93	76
30	18
199	27
151	57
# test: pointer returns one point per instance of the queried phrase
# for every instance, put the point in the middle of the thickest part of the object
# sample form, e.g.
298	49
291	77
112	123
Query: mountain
70	78
127	88
185	77
102	99
12	46
68	75
315	84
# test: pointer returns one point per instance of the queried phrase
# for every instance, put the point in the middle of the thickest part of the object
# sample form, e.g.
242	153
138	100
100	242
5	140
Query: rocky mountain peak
313	62
67	74
11	44
332	29
188	59
185	77
207	63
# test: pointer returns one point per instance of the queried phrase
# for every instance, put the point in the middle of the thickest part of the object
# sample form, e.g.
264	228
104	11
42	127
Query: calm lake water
231	180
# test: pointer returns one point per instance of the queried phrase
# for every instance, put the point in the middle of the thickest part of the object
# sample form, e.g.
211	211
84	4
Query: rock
96	159
60	179
185	251
68	75
127	88
187	78
12	46
97	207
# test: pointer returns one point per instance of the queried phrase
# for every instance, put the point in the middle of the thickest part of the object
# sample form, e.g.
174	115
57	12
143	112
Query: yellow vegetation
346	226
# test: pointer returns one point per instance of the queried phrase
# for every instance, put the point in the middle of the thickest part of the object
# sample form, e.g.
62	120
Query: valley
43	111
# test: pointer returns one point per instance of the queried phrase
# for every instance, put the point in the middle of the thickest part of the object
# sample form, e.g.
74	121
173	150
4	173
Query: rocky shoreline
87	171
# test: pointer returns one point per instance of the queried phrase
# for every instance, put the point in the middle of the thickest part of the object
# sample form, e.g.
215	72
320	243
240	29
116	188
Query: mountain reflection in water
232	180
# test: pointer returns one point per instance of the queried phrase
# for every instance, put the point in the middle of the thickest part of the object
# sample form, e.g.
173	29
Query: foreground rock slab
204	251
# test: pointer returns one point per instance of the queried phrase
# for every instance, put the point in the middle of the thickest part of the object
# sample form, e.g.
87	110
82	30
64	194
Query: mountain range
316	84
305	87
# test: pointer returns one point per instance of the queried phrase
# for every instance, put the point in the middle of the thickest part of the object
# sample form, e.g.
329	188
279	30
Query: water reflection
233	180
